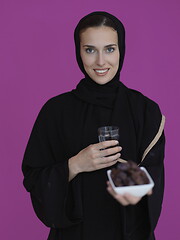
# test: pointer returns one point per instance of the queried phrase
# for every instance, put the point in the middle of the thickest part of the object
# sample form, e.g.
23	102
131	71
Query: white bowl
136	190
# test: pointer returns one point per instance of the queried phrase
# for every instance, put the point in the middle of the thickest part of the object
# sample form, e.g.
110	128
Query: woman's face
100	53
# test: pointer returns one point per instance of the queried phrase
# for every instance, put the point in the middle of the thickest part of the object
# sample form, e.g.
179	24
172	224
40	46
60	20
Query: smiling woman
65	167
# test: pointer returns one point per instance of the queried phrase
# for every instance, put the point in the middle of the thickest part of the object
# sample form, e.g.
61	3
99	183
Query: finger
105	165
104	160
118	197
106	144
131	199
150	192
110	151
111	190
122	160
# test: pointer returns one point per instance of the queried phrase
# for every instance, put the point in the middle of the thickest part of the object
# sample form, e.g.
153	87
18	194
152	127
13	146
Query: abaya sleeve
152	152
143	217
45	169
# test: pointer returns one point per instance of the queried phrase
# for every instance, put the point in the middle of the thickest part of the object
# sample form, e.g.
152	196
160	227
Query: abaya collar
87	89
100	95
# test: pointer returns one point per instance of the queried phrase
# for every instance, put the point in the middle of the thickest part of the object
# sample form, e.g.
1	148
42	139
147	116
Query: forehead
99	36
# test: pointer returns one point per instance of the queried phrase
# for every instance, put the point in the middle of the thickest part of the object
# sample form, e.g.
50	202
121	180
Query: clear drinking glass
108	133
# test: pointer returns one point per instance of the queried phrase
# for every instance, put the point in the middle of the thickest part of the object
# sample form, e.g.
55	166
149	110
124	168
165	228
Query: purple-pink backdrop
37	62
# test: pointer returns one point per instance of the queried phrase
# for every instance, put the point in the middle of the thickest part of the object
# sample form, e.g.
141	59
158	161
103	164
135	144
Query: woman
65	167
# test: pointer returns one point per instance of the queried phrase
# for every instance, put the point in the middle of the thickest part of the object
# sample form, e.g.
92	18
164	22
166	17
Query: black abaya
78	208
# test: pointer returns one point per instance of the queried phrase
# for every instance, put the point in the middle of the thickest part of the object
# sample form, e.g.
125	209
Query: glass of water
108	133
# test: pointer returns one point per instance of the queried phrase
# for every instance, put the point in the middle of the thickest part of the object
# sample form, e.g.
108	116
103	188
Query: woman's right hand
94	157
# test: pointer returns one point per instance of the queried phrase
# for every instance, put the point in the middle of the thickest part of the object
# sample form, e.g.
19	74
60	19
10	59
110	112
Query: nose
100	61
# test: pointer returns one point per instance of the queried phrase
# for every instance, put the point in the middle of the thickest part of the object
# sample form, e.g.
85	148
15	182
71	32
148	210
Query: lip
101	71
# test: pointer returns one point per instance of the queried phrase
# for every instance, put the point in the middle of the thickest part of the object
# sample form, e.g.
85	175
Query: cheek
87	60
115	60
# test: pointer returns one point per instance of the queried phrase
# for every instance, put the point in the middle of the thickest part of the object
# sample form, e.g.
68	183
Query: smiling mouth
101	72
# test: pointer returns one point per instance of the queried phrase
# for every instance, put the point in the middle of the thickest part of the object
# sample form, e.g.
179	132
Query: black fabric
82	209
67	207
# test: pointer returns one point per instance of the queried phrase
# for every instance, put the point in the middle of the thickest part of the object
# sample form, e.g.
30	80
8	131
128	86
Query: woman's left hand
124	199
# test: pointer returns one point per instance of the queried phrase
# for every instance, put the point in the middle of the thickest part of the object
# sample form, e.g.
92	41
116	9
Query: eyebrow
109	45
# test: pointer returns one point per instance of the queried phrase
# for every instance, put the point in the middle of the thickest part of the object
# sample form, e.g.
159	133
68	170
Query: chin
101	81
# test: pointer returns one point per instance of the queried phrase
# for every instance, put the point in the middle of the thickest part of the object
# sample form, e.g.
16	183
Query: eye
110	49
90	50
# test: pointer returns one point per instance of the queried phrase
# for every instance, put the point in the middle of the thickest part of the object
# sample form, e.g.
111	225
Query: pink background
37	62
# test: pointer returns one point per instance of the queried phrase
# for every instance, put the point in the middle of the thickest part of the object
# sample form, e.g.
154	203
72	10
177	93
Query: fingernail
116	142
